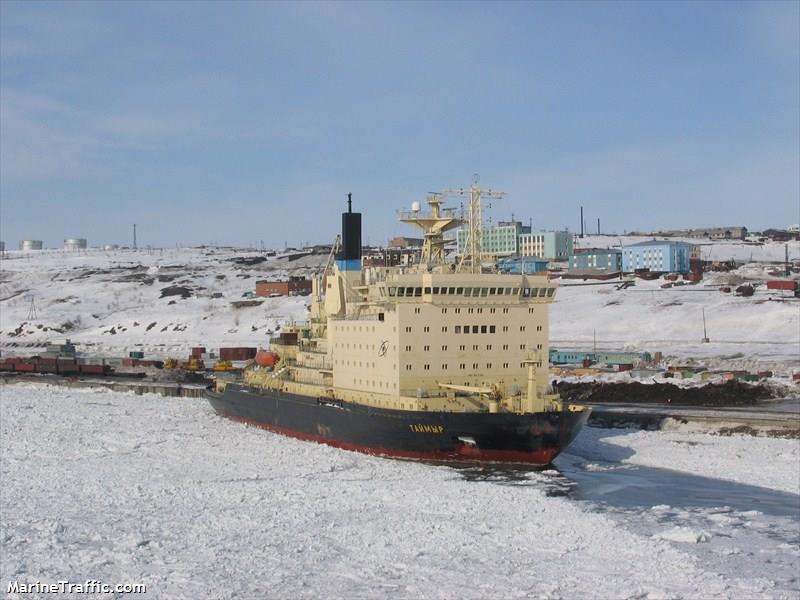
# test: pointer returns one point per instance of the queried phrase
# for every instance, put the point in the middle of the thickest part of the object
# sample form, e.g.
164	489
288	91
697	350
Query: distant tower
598	226
32	309
581	222
134	236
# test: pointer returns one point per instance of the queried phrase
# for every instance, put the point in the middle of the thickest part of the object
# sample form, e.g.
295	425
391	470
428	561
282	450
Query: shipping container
136	354
782	284
197	352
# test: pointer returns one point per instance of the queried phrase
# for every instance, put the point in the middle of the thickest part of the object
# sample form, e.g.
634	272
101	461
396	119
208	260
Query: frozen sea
120	488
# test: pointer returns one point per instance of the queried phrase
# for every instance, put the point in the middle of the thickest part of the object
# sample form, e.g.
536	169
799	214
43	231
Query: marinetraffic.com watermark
90	586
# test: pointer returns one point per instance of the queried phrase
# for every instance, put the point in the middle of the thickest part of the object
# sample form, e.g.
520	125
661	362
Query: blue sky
235	123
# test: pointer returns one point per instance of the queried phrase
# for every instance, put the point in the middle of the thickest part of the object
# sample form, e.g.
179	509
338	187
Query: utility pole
705	333
134	236
786	257
581	222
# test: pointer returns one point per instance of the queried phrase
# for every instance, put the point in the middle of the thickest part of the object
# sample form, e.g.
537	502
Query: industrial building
31	244
405	242
294	286
75	244
522	264
605	259
712	233
658	256
564	357
512	238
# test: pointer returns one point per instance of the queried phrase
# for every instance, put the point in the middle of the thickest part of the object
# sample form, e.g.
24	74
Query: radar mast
433	225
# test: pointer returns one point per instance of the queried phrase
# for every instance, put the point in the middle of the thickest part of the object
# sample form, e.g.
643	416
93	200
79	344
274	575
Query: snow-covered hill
165	301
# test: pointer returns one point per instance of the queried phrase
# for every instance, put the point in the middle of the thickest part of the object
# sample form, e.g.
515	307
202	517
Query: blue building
657	255
523	264
605	259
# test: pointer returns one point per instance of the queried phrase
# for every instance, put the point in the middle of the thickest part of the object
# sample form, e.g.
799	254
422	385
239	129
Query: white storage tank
75	244
31	245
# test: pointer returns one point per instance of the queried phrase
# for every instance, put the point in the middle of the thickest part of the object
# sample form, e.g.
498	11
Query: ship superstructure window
505	365
458	328
484	291
444	348
505	328
451	291
491	328
492	291
466	328
444	311
483	328
459	291
426	348
444	367
538	328
530	310
426	329
474	329
408	367
505	346
427	367
457	310
462	366
522	346
436	290
408	348
408	329
475	347
522	327
505	311
488	346
462	347
392	291
550	292
426	290
444	329
474	365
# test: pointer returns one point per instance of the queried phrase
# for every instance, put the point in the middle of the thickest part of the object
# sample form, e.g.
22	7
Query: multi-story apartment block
657	255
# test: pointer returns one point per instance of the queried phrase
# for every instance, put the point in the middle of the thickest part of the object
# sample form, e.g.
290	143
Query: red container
198	351
782	284
23	367
239	353
128	362
92	369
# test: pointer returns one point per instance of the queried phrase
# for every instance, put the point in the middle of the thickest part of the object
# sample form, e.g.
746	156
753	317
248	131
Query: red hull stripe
459	454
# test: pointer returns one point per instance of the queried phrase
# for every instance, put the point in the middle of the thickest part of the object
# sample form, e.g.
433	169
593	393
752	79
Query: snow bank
761	461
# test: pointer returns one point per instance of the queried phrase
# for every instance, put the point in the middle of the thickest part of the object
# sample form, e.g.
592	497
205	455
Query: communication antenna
134	236
32	309
471	258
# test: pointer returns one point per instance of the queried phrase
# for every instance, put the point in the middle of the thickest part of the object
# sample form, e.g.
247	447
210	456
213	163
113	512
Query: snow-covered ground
111	301
142	489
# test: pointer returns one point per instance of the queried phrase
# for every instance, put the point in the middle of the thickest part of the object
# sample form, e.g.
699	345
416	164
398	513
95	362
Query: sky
243	123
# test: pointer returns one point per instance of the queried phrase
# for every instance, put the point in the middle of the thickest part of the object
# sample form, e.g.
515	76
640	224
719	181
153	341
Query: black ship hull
535	438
